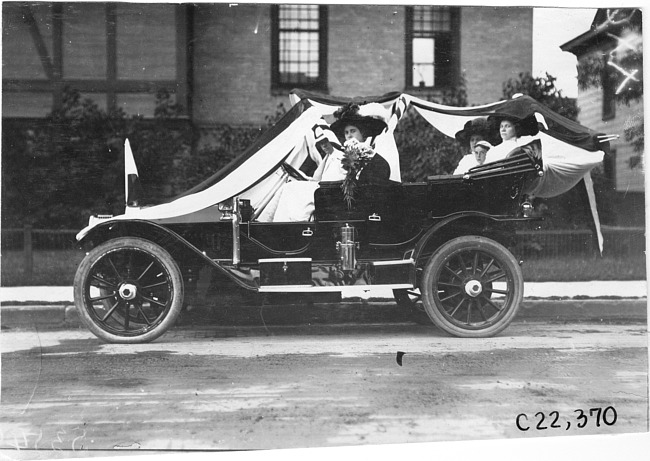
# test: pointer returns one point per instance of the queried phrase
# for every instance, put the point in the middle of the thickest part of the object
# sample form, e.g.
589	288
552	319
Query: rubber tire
152	249
471	243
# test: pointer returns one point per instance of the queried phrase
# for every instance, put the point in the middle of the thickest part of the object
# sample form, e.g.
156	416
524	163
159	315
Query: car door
390	213
264	240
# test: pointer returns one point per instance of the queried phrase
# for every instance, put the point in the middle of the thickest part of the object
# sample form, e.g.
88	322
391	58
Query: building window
609	94
299	46
432	46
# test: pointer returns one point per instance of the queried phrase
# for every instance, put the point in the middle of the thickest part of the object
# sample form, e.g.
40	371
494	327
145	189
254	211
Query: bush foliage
425	151
57	172
543	90
70	165
220	146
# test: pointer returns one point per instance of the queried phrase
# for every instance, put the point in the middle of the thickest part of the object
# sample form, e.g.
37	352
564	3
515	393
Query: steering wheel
291	171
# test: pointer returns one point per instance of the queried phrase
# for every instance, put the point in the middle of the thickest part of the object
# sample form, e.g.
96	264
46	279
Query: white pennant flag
132	187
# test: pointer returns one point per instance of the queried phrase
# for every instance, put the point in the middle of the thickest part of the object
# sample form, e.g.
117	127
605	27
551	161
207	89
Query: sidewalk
620	302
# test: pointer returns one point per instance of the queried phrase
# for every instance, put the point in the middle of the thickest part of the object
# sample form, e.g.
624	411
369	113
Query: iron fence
618	242
38	239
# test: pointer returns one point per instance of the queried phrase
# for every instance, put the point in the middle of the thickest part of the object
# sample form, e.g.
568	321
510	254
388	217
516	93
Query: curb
39	315
622	310
359	312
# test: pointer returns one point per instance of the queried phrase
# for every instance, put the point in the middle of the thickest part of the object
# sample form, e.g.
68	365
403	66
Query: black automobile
441	245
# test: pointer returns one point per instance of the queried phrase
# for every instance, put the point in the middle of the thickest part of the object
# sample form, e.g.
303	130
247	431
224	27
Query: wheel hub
473	288
128	291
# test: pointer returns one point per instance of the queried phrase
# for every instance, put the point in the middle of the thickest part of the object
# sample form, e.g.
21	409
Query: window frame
453	36
321	83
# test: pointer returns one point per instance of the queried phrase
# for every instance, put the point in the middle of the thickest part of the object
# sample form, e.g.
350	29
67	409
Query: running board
328	289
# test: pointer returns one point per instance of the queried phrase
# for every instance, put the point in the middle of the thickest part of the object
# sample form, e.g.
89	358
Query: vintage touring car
441	245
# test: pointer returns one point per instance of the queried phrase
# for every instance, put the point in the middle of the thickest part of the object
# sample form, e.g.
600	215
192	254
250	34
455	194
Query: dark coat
375	172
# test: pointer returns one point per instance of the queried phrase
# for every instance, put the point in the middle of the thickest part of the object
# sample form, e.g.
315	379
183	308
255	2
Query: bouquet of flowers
356	156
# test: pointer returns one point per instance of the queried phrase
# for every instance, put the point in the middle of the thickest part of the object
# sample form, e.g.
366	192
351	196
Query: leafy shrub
63	167
157	145
226	144
424	150
543	90
70	165
219	146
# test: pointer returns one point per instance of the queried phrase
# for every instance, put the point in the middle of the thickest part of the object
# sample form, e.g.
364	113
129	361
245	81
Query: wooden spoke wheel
472	287
128	290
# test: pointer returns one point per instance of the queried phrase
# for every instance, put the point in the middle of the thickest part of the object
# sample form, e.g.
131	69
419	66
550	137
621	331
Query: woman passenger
362	123
475	131
514	132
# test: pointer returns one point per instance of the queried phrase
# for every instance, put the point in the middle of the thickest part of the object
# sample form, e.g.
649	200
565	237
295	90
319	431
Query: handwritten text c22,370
580	418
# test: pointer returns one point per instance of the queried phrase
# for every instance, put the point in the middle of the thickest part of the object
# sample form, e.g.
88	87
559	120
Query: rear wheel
472	287
128	290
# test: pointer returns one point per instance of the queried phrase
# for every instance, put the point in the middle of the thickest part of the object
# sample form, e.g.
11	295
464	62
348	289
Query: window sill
282	90
426	91
608	117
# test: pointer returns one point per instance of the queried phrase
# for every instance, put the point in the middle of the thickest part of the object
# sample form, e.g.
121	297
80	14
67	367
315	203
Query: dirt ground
241	388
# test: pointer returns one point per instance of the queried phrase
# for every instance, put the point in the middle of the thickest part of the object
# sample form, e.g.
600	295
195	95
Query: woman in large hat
371	119
356	127
477	129
514	132
360	125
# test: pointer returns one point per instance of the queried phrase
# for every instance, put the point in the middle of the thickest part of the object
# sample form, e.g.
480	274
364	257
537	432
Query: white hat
485	144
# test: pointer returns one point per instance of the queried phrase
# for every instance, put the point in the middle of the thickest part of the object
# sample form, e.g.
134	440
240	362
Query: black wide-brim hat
479	126
371	119
526	126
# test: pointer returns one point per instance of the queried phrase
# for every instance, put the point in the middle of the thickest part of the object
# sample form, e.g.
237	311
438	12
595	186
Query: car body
442	245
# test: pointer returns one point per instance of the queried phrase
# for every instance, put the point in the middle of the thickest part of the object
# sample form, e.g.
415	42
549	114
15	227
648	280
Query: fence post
27	251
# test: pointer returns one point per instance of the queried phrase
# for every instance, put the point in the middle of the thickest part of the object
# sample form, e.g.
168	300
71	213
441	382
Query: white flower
351	143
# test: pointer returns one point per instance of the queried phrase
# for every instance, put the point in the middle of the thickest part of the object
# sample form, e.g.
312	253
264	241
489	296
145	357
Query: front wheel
472	287
128	290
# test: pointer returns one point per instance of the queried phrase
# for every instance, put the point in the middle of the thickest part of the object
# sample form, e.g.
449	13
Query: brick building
608	37
235	63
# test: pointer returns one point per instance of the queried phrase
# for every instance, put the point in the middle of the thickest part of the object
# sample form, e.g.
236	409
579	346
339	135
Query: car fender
181	250
447	227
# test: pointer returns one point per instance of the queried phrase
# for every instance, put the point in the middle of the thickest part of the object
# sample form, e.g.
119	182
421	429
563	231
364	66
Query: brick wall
366	46
496	44
366	55
232	68
232	64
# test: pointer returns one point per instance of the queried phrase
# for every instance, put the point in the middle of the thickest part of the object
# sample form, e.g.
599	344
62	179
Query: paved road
319	386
